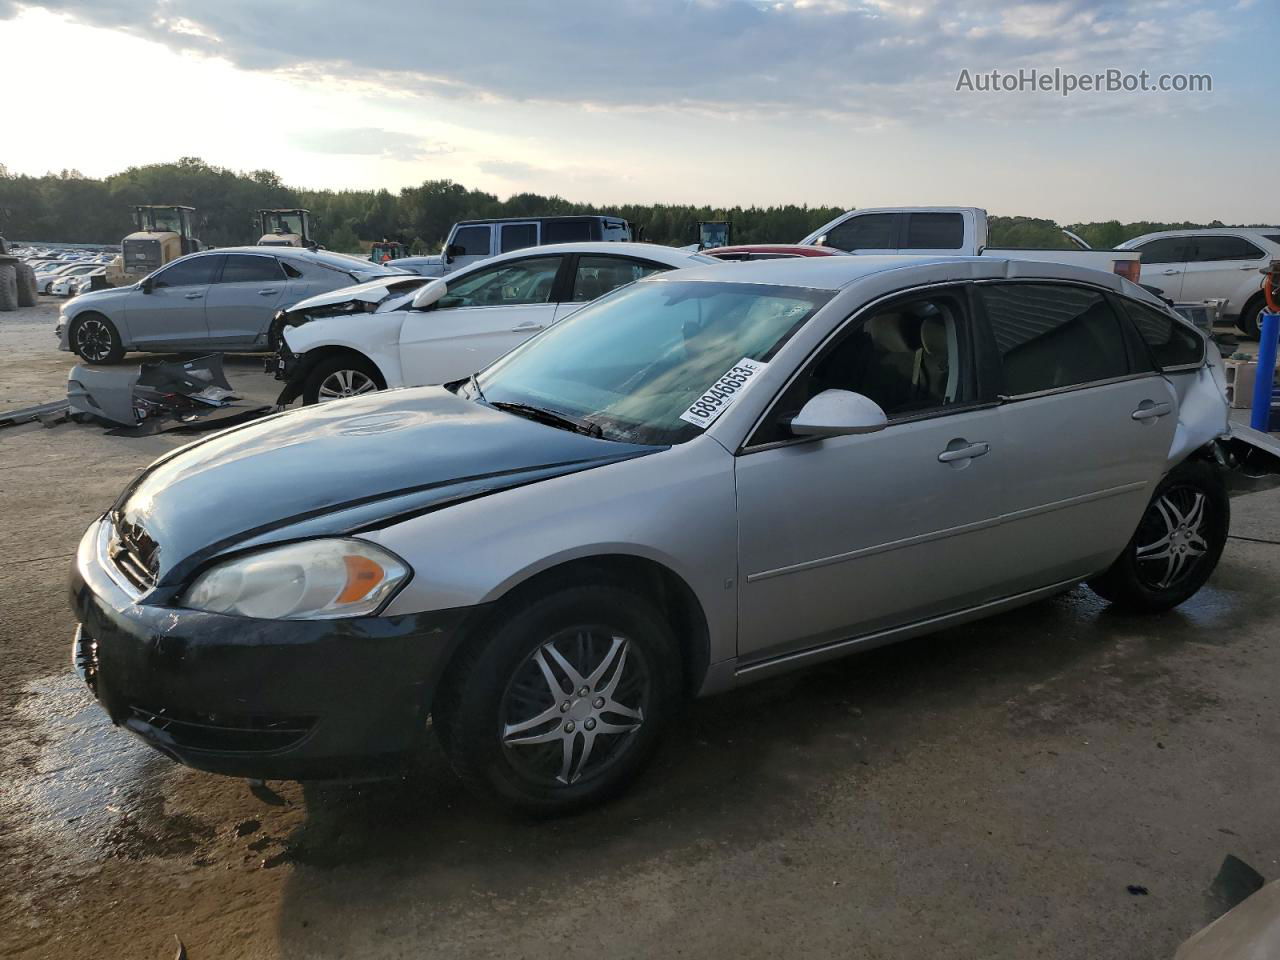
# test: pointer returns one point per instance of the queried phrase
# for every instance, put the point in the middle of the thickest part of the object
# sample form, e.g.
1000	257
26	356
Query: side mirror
147	285
429	294
454	250
821	241
838	413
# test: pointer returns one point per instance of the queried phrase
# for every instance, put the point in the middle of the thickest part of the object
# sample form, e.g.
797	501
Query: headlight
313	580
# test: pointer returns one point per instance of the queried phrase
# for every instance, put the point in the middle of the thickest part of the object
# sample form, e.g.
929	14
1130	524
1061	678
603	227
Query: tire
27	296
344	375
1176	546
95	339
1250	320
8	287
504	727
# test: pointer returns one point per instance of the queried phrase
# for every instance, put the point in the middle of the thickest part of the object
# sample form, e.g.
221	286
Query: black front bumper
268	699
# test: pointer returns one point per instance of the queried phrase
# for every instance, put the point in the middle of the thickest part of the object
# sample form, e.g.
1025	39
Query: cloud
369	141
876	60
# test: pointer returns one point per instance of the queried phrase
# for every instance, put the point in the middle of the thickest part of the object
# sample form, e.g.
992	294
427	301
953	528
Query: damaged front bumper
265	699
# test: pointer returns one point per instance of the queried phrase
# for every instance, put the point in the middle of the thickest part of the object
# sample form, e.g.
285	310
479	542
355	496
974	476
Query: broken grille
227	733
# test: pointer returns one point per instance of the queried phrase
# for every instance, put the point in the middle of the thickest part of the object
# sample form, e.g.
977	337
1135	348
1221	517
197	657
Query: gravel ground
989	791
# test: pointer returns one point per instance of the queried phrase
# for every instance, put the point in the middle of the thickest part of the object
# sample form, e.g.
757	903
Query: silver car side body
776	556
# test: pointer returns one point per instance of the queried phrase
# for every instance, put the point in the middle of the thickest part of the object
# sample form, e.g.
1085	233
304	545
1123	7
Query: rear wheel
1177	543
562	703
8	287
26	285
1250	320
95	339
345	375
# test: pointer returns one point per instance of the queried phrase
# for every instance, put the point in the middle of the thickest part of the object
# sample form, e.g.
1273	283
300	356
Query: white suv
1218	263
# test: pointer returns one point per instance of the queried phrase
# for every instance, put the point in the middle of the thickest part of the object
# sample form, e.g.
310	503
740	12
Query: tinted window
1273	237
566	231
185	273
473	240
934	231
872	231
596	276
1171	343
246	269
525	281
1208	249
1052	336
517	236
1167	250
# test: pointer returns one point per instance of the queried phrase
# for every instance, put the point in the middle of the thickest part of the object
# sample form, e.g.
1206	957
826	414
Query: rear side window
1051	336
934	231
517	236
186	273
1273	237
1166	250
1171	343
596	276
570	231
473	240
246	269
1210	248
872	231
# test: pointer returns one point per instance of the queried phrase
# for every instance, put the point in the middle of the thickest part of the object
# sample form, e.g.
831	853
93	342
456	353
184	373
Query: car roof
540	219
836	273
1229	231
672	256
331	258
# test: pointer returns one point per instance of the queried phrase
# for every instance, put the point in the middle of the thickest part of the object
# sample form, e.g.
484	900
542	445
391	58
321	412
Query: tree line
68	207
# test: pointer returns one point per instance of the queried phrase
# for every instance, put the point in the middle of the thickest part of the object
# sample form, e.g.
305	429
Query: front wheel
345	375
95	339
1176	546
563	702
1250	320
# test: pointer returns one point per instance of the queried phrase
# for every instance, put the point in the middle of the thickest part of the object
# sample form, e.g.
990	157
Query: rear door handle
1172	273
193	296
528	325
268	291
969	452
1151	410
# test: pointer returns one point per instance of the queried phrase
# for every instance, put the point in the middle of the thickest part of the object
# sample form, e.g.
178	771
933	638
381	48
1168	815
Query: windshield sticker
720	396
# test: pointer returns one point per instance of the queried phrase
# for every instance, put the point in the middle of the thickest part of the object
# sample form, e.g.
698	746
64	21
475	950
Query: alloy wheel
93	340
1171	538
345	383
574	704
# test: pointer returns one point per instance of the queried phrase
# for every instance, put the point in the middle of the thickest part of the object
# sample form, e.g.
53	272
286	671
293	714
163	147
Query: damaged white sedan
711	476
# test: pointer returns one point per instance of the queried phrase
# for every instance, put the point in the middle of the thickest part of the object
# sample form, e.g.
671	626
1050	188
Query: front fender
372	335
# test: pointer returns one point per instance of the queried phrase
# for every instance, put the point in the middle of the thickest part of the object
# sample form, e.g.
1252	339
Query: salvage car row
652	498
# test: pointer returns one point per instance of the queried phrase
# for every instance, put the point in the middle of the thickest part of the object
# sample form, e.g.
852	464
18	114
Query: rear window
1052	336
1209	249
242	268
1171	343
1273	237
934	231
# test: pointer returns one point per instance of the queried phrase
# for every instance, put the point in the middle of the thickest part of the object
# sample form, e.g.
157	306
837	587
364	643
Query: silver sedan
707	477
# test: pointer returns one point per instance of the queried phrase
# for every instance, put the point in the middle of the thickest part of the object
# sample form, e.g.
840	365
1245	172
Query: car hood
336	469
371	292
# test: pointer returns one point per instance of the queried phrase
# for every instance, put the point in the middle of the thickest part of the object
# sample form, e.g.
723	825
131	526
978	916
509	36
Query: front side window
506	285
633	362
596	276
241	268
188	272
1051	336
1164	250
517	236
1208	249
1172	344
871	231
934	231
474	241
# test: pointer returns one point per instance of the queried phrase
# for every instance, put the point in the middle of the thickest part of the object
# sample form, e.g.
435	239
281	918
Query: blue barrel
1263	386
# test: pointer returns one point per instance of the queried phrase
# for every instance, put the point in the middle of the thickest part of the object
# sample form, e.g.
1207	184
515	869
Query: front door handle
1172	273
193	296
969	451
1149	410
268	291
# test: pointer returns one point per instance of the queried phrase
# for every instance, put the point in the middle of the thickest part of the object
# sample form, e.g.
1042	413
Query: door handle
528	325
193	296
1250	268
1150	410
266	292
1172	273
970	451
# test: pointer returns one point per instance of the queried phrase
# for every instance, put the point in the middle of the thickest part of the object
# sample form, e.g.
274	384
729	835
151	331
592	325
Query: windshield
633	362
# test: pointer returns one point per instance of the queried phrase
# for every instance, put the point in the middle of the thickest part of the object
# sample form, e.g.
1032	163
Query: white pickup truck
957	232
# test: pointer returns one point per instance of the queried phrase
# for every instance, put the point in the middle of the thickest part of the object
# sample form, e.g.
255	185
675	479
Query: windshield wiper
550	418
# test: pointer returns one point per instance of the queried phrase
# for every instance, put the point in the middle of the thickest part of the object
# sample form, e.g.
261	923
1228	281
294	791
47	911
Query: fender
372	335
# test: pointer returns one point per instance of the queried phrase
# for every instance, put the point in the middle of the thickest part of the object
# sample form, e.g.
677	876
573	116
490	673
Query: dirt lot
990	791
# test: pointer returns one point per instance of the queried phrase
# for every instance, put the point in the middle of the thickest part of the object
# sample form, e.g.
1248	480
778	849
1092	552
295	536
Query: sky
848	103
